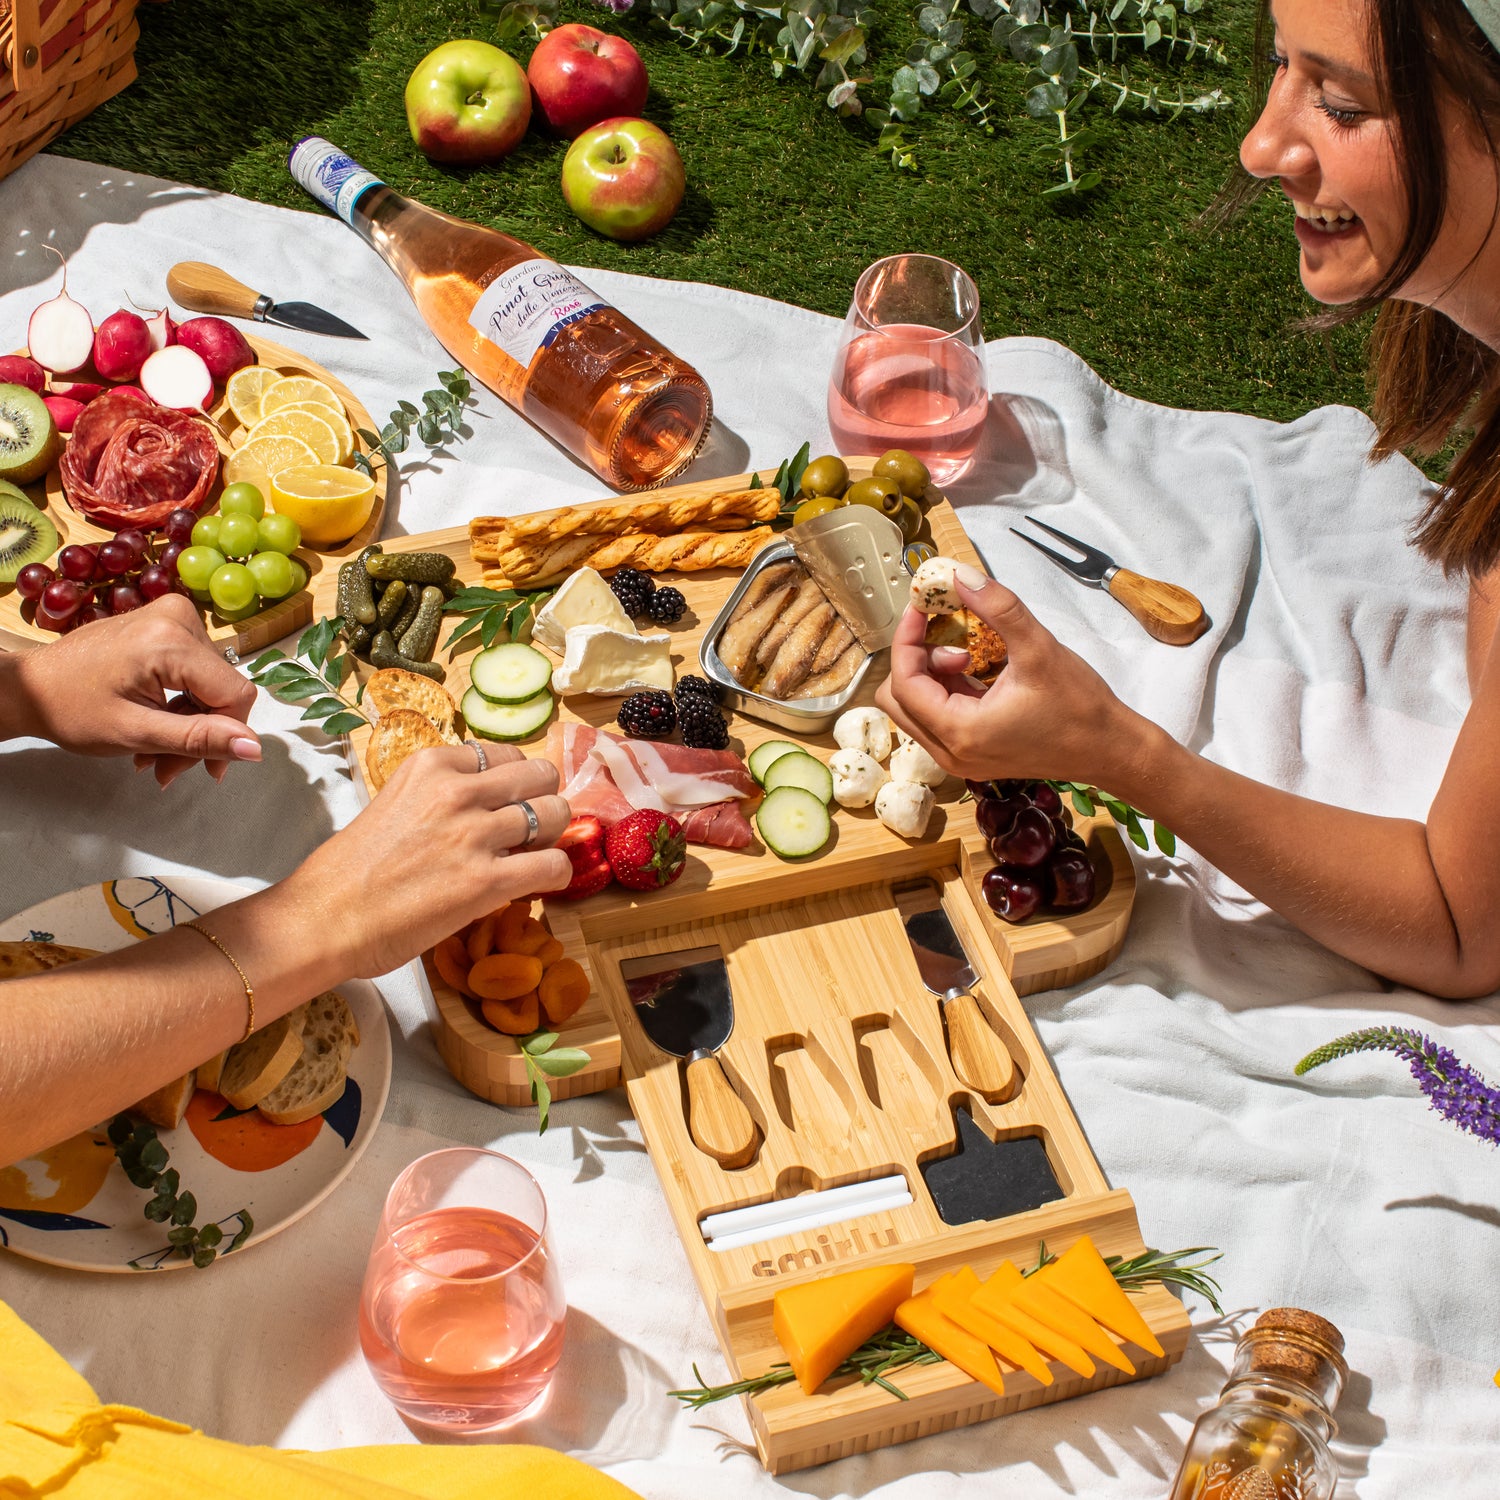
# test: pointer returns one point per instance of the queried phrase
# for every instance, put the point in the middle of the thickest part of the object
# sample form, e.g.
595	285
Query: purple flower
1453	1088
618	6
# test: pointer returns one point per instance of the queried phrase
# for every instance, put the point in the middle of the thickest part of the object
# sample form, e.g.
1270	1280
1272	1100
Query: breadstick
733	511
689	552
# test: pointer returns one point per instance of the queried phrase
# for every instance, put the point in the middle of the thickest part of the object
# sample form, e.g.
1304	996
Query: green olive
883	494
910	473
818	505
827	475
910	519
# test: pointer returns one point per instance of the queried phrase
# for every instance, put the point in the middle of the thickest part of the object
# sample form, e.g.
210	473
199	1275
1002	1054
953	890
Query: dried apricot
518	1017
505	976
563	990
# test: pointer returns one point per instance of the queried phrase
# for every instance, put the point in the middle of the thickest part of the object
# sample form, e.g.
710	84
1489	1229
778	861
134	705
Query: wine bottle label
334	179
525	308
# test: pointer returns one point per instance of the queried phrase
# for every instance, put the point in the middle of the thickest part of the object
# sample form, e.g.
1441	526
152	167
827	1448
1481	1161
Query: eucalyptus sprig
437	421
514	18
1085	798
145	1161
489	611
544	1059
321	680
787	482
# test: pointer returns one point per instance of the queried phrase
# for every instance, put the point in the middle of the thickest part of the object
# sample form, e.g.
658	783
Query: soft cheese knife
206	289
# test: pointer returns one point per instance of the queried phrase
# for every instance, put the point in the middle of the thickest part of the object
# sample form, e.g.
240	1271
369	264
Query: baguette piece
210	1074
166	1106
316	1081
20	959
731	511
255	1066
534	565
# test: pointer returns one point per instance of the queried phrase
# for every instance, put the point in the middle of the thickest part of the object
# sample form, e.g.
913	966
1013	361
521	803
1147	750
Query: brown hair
1430	377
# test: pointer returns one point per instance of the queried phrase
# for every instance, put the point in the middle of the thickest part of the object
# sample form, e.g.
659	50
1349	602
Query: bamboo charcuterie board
277	619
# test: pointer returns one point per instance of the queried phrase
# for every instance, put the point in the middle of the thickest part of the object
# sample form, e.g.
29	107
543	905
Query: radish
133	391
177	377
223	347
163	330
16	369
61	332
121	345
83	391
64	411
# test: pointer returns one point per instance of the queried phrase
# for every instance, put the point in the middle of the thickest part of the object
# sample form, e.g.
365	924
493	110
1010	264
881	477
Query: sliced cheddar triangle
822	1322
953	1297
994	1298
1081	1275
1053	1309
920	1317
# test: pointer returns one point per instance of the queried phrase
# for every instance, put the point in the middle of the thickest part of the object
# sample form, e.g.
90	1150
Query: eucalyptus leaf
539	1041
563	1061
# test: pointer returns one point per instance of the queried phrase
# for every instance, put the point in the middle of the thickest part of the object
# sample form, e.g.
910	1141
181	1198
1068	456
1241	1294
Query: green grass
784	199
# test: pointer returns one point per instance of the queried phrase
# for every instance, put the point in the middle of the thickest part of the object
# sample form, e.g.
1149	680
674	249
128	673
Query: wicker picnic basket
59	60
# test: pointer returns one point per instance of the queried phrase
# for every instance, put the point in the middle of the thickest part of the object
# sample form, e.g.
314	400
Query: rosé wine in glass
910	372
462	1314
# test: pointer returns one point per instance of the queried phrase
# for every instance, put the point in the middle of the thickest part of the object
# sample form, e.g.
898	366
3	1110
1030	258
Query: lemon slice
291	390
259	462
245	389
335	419
329	503
312	430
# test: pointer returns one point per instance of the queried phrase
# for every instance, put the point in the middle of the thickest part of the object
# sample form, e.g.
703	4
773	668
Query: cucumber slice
506	721
800	769
762	756
510	673
792	822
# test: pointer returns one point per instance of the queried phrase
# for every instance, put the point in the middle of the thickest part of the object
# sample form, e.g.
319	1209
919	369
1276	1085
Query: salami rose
131	463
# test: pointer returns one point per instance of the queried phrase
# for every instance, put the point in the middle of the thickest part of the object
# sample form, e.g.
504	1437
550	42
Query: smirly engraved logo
826	1248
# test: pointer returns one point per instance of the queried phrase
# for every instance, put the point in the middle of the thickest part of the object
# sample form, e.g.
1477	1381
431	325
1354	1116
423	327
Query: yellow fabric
57	1439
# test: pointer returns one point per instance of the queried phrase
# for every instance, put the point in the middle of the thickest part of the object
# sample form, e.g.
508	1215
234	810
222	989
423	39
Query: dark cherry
1013	894
1071	880
78	562
980	789
1068	838
1028	841
995	815
1045	797
32	579
124	597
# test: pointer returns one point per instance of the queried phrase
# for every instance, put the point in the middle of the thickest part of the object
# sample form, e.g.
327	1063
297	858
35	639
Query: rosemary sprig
292	682
144	1159
544	1059
436	422
489	611
1167	1267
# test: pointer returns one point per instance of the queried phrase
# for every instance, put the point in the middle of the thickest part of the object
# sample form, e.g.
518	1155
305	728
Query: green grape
232	587
279	534
238	536
300	575
230	616
242	499
272	573
206	531
196	565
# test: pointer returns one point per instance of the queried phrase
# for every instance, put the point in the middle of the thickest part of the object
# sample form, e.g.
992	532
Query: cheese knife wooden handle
206	289
718	1121
1168	613
979	1057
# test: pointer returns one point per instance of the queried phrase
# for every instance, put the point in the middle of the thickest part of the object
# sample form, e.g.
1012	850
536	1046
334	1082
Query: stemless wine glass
461	1316
909	372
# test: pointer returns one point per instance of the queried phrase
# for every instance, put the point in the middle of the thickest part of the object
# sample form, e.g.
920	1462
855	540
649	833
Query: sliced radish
177	377
64	411
77	390
121	345
60	335
222	345
16	369
163	330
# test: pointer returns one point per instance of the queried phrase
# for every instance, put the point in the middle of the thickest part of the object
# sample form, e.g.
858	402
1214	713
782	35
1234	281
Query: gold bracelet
244	977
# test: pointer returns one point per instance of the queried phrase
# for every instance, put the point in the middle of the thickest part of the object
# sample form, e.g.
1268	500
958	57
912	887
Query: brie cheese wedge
597	659
584	599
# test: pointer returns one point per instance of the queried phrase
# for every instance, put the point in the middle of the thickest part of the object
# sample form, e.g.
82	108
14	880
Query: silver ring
533	823
480	756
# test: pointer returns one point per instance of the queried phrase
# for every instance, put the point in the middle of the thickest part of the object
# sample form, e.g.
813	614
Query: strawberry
646	850
583	842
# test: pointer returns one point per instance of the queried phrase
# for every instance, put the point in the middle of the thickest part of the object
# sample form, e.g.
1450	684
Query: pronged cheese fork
1168	613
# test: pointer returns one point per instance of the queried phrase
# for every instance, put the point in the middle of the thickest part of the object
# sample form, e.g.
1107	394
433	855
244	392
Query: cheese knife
684	1005
206	289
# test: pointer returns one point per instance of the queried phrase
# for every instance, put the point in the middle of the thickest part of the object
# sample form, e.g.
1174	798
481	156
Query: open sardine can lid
855	555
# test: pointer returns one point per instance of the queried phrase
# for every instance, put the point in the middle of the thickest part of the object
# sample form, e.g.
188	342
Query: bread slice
317	1080
965	631
400	733
255	1066
210	1073
167	1105
394	687
17	960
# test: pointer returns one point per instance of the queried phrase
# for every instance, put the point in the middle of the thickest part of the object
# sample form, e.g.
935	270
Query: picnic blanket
1334	668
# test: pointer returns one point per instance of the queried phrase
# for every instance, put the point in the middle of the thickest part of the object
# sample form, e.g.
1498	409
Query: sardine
836	678
741	635
793	661
835	643
807	598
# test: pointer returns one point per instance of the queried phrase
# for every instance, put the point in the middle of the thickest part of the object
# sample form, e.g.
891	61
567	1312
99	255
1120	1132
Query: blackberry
703	725
648	716
633	589
667	606
700	687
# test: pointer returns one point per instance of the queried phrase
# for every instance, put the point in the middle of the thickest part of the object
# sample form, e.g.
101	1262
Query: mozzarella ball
910	762
932	588
865	729
857	777
904	807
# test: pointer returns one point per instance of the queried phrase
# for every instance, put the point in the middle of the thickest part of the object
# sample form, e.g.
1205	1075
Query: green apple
624	178
467	102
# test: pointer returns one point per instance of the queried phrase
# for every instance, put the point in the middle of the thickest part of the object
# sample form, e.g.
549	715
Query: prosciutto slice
584	781
130	462
669	777
720	823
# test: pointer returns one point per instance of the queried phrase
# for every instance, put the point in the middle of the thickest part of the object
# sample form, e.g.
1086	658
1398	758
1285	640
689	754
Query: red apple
467	102
581	75
624	178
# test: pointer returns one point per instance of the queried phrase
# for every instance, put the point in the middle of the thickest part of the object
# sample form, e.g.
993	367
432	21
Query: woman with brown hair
1382	128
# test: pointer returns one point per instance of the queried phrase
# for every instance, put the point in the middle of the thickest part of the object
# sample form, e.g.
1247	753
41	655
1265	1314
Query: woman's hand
440	845
104	690
1048	714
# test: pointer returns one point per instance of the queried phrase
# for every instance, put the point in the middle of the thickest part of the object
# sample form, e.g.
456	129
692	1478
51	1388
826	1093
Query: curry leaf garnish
288	679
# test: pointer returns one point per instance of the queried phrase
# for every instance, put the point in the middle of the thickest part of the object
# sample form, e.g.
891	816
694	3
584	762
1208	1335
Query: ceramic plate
73	1206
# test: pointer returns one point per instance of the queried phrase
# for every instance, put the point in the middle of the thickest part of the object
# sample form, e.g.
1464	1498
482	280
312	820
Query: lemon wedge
245	389
329	503
258	462
303	425
335	419
292	390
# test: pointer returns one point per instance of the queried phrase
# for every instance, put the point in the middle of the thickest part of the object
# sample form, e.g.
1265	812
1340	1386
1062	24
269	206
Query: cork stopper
1310	1325
1290	1344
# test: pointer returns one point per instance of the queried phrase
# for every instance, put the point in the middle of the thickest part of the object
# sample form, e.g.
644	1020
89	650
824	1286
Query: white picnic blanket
1334	667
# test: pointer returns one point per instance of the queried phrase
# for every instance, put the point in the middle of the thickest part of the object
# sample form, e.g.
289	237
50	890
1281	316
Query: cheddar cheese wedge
921	1318
822	1322
994	1298
953	1297
1081	1276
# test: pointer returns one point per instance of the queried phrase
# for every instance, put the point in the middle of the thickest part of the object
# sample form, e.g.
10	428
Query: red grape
91	612
169	556
123	598
179	527
32	579
1028	841
156	580
1070	879
137	541
49	621
116	557
61	598
78	562
1011	893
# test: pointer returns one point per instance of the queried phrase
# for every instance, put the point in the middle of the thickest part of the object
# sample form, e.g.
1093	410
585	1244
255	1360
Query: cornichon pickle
410	603
420	639
358	636
390	603
361	591
414	567
383	653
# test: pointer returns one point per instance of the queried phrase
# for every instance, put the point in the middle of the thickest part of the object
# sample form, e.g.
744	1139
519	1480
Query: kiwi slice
29	439
26	536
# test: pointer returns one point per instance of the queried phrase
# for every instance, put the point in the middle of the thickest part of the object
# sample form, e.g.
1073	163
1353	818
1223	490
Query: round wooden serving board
278	619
